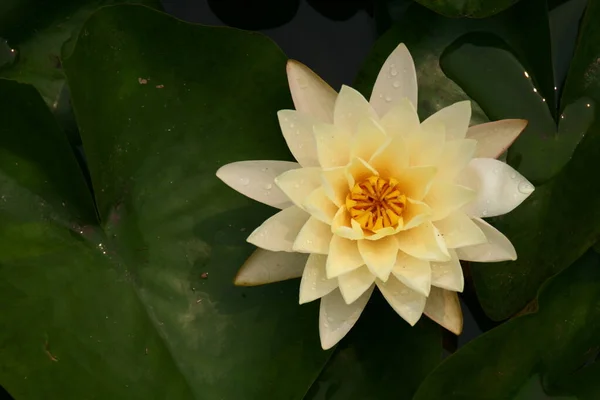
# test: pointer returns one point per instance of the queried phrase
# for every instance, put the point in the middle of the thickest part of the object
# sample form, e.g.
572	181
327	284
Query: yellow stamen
376	203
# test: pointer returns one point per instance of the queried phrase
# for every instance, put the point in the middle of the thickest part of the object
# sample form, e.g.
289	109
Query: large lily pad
534	353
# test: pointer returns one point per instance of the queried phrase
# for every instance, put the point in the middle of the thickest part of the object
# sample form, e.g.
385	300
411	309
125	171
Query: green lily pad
36	30
549	344
467	8
382	357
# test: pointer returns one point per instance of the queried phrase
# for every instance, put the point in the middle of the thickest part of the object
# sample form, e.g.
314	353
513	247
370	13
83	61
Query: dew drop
264	169
268	186
525	187
513	175
484	213
396	84
297	131
388	98
244	181
292	125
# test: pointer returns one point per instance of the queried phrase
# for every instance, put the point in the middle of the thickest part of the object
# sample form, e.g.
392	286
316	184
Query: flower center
376	203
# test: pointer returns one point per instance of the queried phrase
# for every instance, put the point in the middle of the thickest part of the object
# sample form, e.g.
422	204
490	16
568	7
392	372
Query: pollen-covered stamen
376	203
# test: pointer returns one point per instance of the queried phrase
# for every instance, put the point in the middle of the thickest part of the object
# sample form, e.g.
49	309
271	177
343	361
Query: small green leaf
550	344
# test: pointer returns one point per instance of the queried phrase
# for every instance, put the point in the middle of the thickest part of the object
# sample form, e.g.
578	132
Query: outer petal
297	184
265	266
397	80
343	257
414	273
455	157
448	275
424	242
408	303
279	232
333	145
455	119
493	138
379	255
297	129
255	179
351	108
402	119
443	308
445	198
459	230
498	248
369	137
500	188
336	318
319	206
355	283
314	283
310	93
314	237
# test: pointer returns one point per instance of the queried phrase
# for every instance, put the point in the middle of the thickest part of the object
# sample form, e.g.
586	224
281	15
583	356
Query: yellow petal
255	179
414	273
265	266
379	255
445	198
310	93
493	138
415	213
391	158
498	248
343	257
297	184
358	170
415	182
368	138
319	206
455	119
423	242
335	183
336	318
408	303
279	232
396	81
448	275
314	237
333	145
297	130
354	283
443	308
459	230
426	146
350	108
343	225
314	283
402	119
455	157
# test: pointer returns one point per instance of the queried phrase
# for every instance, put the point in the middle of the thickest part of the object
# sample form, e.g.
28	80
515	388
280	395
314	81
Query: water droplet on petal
388	98
292	125
484	213
244	181
396	84
513	175
525	187
268	186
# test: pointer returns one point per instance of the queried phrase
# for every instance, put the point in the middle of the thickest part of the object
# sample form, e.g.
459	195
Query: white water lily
379	199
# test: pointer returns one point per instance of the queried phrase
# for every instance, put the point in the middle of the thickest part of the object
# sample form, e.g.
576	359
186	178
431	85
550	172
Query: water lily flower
378	198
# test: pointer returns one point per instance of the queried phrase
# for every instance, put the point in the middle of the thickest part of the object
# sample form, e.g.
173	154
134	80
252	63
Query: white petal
310	93
335	183
369	137
500	189
297	184
379	255
397	80
255	179
455	157
493	138
354	283
444	198
427	144
314	283
414	273
314	237
279	232
408	303
459	230
265	266
297	130
320	206
402	119
351	108
443	308
343	257
455	119
333	145
424	242
448	275
336	318
498	248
